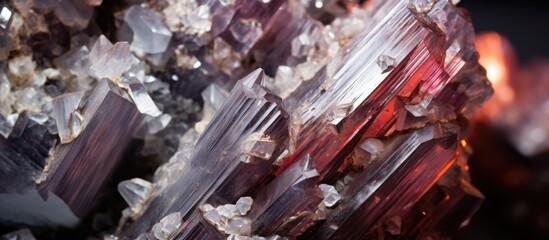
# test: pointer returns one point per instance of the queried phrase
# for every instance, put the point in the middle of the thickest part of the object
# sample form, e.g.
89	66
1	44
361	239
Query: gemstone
238	119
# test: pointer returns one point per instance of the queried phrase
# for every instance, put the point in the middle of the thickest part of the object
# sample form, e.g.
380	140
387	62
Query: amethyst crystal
354	126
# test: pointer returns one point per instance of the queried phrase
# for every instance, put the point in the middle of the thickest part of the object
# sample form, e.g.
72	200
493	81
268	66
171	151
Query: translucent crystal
74	13
227	211
22	67
167	226
301	45
386	63
239	226
140	97
258	145
212	216
244	204
369	150
246	31
75	124
421	6
68	122
150	33
331	196
28	99
420	109
5	87
22	6
198	21
99	48
285	81
113	62
157	124
5	17
135	192
5	127
213	96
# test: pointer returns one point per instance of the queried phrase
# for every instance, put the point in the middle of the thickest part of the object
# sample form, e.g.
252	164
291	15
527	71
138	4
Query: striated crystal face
242	119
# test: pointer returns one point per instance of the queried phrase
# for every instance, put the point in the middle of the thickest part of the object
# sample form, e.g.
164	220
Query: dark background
525	23
516	187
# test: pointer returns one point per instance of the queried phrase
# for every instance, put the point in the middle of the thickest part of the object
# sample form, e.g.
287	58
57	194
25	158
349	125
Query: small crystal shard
331	196
5	17
157	124
301	45
386	63
99	48
421	6
135	192
167	226
368	151
113	63
258	145
141	98
247	32
150	33
74	13
69	121
244	204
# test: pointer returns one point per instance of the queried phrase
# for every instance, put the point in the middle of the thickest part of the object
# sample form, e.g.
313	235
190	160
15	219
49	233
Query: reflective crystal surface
238	119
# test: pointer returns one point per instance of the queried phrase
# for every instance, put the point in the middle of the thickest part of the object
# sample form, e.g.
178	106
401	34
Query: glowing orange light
498	58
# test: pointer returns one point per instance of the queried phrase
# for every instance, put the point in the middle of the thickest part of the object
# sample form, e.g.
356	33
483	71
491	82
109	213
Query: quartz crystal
150	33
238	119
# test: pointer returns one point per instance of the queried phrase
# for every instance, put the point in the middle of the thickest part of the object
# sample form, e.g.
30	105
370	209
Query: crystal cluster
273	119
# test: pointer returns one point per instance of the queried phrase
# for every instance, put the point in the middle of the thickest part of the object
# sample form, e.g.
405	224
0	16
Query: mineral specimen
319	119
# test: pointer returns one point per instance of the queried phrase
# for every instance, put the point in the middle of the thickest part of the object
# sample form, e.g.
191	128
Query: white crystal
213	217
63	108
113	63
422	108
28	99
168	226
75	123
5	16
258	145
239	226
5	87
386	63
135	192
150	33
22	67
244	204
285	81
99	48
369	150
421	6
156	124
301	45
227	211
5	127
198	21
140	97
331	196
74	13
